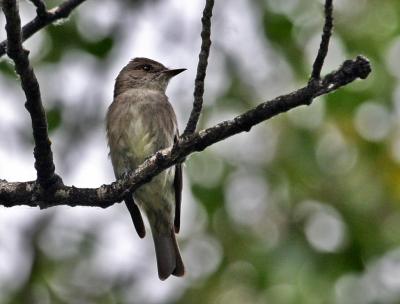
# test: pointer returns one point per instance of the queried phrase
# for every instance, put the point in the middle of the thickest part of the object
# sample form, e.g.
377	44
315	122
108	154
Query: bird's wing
178	194
135	215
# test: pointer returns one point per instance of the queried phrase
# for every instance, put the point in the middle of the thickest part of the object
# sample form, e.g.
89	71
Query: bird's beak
173	72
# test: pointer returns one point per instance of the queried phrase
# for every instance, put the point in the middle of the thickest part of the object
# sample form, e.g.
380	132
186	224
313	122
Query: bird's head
144	73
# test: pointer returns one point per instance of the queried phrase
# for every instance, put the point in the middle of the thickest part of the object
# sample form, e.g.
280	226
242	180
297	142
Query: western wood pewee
141	121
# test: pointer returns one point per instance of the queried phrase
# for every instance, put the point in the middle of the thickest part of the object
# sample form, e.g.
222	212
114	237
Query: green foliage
65	37
7	68
279	30
54	118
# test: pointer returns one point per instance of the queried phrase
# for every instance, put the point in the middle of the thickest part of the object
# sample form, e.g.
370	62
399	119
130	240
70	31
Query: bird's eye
146	67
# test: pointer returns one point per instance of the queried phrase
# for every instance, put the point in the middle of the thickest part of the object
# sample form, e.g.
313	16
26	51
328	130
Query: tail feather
179	267
169	260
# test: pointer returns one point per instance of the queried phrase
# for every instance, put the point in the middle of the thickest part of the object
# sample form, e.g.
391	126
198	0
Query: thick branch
43	156
201	69
43	19
323	47
12	194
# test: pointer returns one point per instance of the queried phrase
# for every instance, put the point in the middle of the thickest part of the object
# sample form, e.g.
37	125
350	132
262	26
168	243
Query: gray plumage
141	121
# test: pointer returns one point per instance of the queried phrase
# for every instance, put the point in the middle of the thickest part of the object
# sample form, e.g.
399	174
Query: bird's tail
169	260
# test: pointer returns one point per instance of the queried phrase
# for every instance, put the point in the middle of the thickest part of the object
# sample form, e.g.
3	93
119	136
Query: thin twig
323	47
40	8
12	194
60	12
201	68
43	156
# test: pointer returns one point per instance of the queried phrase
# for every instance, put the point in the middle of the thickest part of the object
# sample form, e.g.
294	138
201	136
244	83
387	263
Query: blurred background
303	209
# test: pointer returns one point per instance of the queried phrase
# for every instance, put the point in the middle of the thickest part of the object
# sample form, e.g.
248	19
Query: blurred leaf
100	48
66	37
279	30
211	198
54	118
7	68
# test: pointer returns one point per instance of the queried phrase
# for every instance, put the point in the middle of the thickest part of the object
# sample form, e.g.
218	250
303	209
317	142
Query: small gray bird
141	121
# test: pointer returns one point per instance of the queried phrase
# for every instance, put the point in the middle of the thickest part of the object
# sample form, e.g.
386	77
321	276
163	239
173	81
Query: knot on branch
363	67
160	157
357	68
348	72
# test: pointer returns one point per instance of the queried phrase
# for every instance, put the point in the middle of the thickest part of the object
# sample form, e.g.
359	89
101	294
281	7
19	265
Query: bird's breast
139	137
138	125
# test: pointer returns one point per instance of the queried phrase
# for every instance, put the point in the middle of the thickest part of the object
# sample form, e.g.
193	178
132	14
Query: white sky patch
246	197
93	167
324	226
243	39
206	171
335	155
392	62
379	283
336	52
308	117
373	121
68	80
12	103
325	231
193	215
96	18
203	256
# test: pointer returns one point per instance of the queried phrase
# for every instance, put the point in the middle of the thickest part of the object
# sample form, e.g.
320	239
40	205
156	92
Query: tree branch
12	194
201	69
323	47
43	156
41	20
40	8
27	193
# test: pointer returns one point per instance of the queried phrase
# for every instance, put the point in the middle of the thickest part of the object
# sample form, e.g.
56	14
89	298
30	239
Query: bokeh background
303	209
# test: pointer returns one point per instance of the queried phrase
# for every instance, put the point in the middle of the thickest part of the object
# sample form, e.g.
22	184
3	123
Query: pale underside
141	124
